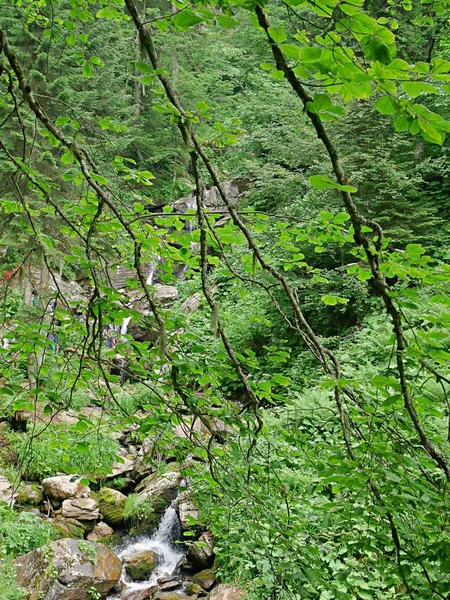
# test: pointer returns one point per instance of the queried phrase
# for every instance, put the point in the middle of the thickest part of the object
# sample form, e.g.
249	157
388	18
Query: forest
224	299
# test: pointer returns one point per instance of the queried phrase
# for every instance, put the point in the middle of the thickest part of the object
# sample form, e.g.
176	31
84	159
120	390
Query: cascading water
151	274
162	542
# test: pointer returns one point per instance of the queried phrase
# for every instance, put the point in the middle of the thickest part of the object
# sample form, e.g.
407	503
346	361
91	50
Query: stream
162	542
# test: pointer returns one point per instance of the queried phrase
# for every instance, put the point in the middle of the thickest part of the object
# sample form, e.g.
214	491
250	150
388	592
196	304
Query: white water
160	542
124	326
151	274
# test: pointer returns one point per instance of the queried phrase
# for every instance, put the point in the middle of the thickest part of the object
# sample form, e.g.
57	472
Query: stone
68	570
67	528
192	303
205	579
201	556
164	294
158	489
173	596
82	509
30	493
7	493
119	468
100	531
111	504
169	583
187	511
140	566
192	588
227	592
63	487
147	594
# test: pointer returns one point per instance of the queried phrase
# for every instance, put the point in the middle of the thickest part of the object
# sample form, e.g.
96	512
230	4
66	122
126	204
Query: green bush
9	590
22	532
58	450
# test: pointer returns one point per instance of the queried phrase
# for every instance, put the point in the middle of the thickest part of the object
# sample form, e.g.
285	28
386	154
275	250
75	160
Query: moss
112	505
141	566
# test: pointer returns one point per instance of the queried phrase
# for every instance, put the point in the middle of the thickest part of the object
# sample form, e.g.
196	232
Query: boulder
100	531
187	511
201	554
119	468
67	528
112	505
63	487
82	509
30	494
7	493
205	579
192	588
169	583
140	566
68	570
226	592
147	594
158	490
164	294
173	596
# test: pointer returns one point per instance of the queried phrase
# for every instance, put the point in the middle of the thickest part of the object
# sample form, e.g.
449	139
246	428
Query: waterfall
162	543
151	274
124	326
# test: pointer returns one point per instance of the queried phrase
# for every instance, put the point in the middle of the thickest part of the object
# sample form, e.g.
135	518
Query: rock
100	531
201	555
7	493
67	528
63	487
193	588
140	566
164	294
147	594
192	303
68	570
30	493
169	583
226	592
119	468
160	490
187	511
82	509
111	504
173	596
206	579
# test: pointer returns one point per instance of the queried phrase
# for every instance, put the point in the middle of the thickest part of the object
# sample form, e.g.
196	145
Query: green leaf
387	105
88	71
322	182
144	67
226	21
333	300
185	19
277	34
415	88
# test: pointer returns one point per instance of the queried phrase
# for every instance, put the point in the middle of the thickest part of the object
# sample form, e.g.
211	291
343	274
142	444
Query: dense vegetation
320	342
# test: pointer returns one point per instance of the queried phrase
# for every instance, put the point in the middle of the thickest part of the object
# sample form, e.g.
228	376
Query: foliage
23	532
60	450
318	363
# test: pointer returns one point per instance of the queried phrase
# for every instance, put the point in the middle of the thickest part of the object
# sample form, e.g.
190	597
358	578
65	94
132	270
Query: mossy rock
30	494
193	588
111	504
206	579
68	528
112	540
140	566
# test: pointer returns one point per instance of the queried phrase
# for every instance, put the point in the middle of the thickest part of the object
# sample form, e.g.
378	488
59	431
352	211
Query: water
124	326
151	274
161	542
